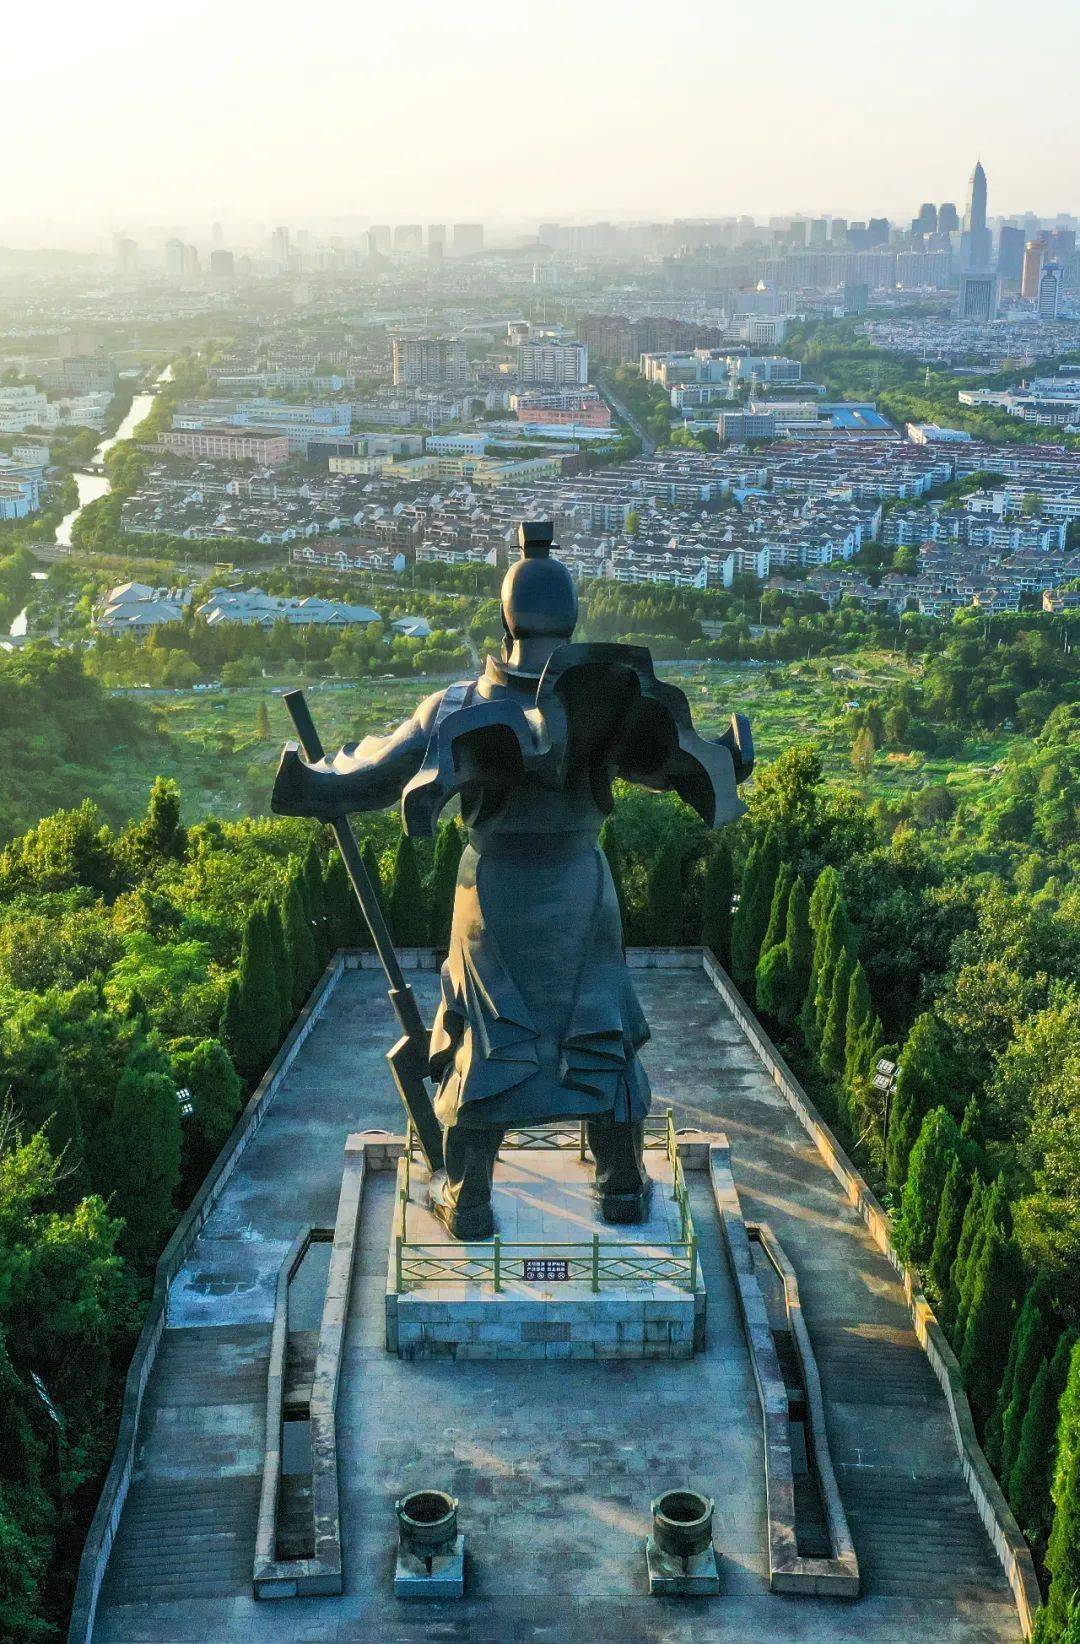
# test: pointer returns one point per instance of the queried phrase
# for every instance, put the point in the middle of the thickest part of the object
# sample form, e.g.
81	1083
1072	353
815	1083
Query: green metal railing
596	1262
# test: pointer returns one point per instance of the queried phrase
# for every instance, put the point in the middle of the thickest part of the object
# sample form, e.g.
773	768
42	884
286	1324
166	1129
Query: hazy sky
130	111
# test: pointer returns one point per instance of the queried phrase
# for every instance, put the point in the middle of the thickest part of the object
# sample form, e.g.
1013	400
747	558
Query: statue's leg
623	1185
464	1203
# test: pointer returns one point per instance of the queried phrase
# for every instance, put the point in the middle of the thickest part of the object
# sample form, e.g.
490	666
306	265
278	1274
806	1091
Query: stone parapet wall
99	1540
1004	1532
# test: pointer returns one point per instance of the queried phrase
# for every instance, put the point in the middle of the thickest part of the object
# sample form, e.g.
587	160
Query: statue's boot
460	1196
623	1186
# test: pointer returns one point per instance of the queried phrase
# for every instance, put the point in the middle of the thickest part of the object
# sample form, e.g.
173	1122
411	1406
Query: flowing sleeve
621	719
704	773
363	776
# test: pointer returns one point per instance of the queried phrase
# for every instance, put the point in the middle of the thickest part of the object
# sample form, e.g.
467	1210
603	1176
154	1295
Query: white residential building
552	364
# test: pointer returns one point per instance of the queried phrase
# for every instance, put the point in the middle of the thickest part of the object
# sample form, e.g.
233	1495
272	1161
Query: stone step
295	1520
300	1369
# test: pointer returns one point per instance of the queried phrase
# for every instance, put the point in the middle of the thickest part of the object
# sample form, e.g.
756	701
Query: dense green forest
149	969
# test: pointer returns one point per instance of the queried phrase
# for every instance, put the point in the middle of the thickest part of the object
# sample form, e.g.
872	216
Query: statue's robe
538	1019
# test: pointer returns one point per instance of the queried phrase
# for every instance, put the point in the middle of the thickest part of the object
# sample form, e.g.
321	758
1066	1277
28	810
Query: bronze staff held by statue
538	1019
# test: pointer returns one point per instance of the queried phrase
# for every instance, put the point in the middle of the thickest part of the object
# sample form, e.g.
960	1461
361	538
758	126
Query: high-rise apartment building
948	218
279	246
127	256
436	234
468	239
1049	296
1034	257
419	361
174	259
1011	253
553	363
978	296
222	266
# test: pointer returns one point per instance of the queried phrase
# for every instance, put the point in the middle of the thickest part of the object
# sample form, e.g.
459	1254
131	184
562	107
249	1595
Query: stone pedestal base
445	1579
698	1577
558	1296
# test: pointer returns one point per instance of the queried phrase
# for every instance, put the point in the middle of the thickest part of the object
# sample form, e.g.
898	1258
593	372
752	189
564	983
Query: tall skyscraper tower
978	246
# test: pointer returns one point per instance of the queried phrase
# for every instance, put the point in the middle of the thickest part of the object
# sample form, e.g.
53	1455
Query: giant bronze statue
538	1019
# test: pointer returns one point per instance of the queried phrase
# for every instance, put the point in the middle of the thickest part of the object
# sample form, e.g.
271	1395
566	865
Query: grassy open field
211	743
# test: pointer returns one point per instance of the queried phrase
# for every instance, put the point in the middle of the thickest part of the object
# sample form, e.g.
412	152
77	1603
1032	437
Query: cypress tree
718	894
931	1160
825	896
1028	1485
145	1145
311	885
776	929
299	943
1071	1635
826	891
769	867
250	1021
900	1135
860	1016
924	1075
443	882
231	1026
609	844
741	919
837	938
407	905
1063	1547
954	1197
832	1053
969	1227
752	915
664	894
772	981
207	1073
991	1314
1031	1342
967	1275
347	924
798	939
275	931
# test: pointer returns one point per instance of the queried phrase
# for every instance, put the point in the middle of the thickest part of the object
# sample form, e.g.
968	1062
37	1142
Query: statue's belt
540	848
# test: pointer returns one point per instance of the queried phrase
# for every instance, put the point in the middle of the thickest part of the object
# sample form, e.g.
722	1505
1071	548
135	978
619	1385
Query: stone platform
556	1469
557	1282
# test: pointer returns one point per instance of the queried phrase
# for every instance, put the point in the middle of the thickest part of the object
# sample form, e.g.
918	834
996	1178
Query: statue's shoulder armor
475	743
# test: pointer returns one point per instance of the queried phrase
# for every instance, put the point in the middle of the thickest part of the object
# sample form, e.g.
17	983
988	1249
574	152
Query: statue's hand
739	740
301	789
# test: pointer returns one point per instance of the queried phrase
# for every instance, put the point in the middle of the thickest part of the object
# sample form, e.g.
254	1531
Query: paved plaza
555	1462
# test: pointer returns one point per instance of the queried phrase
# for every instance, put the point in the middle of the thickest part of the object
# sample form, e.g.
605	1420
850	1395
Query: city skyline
218	121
